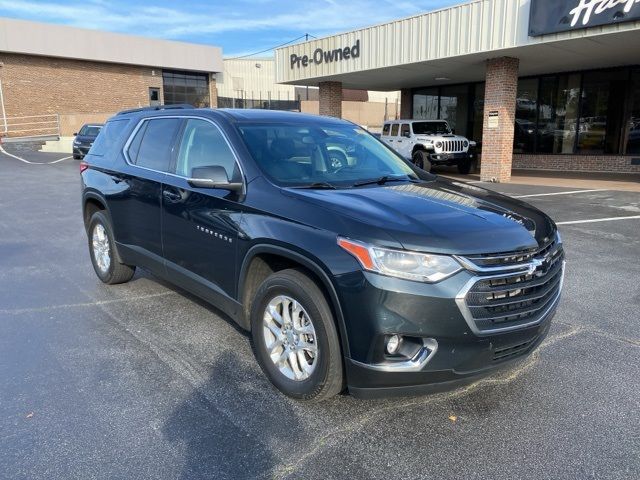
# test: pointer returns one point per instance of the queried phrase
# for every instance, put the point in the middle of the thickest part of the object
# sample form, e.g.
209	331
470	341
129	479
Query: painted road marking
59	160
560	193
31	163
595	220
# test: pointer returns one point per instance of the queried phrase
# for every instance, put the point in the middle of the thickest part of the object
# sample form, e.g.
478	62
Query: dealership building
538	84
54	78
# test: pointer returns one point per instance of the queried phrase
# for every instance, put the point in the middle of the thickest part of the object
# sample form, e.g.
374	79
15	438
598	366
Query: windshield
90	130
331	155
431	128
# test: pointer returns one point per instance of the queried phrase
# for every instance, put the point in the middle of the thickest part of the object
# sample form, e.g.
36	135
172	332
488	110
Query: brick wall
500	96
406	104
330	99
35	85
580	163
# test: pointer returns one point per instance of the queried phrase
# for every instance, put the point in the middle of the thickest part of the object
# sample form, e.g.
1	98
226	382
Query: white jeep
429	142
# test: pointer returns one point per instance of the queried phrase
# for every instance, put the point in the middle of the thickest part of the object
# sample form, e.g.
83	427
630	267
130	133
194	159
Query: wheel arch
264	259
92	203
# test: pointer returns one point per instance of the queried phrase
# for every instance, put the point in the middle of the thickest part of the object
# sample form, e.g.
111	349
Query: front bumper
450	158
376	306
80	150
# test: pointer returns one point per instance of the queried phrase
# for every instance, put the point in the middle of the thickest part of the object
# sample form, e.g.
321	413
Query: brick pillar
331	99
213	91
499	119
406	104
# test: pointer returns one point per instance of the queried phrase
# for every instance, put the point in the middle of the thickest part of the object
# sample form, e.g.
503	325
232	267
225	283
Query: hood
441	216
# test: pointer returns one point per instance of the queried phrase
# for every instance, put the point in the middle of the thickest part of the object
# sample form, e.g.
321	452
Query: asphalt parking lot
144	381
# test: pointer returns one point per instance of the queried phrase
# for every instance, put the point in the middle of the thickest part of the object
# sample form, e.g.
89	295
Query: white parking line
31	163
13	156
561	193
60	160
595	220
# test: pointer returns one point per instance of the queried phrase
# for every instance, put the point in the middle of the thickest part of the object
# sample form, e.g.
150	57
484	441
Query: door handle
171	196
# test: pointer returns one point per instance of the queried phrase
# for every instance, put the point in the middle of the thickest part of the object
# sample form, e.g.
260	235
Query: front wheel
104	257
421	160
294	337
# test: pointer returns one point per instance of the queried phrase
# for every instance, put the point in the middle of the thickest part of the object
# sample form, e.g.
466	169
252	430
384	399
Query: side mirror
75	134
213	176
453	131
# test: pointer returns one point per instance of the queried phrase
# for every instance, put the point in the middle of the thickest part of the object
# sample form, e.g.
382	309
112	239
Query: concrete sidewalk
610	181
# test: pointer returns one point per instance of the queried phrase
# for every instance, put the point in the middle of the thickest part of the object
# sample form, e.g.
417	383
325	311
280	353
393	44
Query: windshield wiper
384	179
318	186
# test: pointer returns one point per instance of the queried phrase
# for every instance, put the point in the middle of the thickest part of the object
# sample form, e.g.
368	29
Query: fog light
393	344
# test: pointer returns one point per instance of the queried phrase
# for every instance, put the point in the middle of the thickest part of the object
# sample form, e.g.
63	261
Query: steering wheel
337	161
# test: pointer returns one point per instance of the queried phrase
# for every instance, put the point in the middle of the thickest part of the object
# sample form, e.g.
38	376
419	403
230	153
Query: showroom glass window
425	104
524	136
602	111
185	87
558	113
454	108
633	124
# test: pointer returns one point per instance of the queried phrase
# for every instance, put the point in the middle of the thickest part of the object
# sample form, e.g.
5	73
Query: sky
240	27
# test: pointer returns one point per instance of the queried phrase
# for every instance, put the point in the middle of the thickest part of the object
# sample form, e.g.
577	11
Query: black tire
327	379
464	166
116	272
77	157
421	160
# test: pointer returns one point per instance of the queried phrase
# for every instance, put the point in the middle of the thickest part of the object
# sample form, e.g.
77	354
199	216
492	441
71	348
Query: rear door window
109	137
153	144
404	131
394	130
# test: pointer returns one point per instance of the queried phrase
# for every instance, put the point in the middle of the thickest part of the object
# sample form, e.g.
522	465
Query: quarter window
203	145
394	130
386	128
108	136
153	144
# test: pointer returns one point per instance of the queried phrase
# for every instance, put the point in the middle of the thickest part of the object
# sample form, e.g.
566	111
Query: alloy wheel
290	338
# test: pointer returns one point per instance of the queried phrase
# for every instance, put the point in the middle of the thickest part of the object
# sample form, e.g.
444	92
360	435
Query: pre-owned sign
551	16
325	56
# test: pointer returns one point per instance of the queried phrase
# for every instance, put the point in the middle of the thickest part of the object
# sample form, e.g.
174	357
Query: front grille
453	146
511	300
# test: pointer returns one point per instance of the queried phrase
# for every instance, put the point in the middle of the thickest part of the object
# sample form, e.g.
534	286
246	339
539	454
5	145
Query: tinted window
526	116
204	146
633	132
108	137
155	144
405	129
430	128
386	129
394	130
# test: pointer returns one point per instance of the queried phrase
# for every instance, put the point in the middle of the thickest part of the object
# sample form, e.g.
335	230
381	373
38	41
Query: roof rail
183	106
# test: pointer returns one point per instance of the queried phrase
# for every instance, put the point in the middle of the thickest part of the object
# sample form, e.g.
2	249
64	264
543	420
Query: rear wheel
421	160
464	166
294	337
104	256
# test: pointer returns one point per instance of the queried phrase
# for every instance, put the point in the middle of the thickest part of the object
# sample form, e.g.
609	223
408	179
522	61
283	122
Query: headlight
76	143
466	144
438	144
421	267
